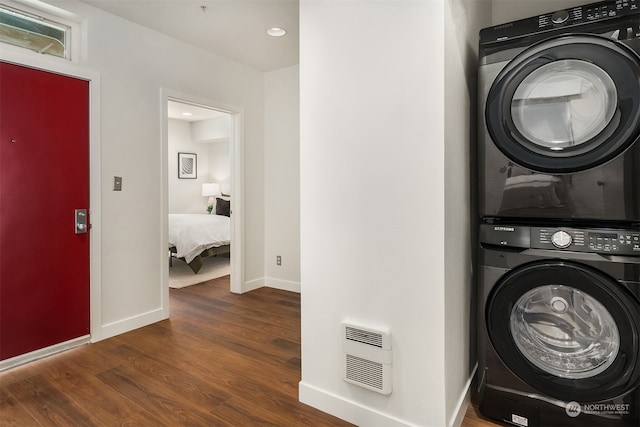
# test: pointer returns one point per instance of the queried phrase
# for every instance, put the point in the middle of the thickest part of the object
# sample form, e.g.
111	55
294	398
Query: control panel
590	12
620	242
592	240
574	16
610	9
560	17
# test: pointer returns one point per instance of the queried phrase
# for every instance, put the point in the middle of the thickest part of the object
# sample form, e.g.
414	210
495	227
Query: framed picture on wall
187	165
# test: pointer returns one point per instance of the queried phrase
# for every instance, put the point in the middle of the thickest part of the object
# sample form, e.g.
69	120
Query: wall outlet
278	260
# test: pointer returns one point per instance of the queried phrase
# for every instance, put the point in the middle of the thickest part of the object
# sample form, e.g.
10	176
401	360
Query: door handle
81	221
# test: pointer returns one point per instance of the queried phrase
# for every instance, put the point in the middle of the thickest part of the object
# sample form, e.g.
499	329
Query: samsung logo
504	229
500	27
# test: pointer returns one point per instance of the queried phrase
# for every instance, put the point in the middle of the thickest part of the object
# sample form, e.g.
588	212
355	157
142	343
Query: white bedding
193	233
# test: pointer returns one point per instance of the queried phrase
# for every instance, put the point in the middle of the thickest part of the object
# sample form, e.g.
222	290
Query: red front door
44	178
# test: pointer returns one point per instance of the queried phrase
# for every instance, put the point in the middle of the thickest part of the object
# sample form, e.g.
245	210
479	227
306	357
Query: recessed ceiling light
186	113
276	32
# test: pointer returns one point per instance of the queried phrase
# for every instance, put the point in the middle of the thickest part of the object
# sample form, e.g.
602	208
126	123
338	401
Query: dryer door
566	104
566	329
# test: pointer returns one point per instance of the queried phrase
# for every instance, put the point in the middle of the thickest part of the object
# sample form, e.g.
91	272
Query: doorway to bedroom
201	141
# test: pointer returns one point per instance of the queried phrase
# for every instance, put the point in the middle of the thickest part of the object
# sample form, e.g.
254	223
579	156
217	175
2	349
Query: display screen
604	235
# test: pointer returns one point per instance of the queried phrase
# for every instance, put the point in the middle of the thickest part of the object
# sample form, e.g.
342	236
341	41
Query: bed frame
196	263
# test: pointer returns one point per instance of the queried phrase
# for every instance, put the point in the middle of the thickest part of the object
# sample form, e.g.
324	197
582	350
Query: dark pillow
223	207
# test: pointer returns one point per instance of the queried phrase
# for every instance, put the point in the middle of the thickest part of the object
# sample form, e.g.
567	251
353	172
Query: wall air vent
362	371
367	357
365	337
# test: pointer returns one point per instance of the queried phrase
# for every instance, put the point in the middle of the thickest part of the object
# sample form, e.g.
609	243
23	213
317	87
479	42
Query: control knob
560	17
561	239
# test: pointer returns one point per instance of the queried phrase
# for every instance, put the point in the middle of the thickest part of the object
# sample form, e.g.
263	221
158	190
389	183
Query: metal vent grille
364	372
367	357
365	337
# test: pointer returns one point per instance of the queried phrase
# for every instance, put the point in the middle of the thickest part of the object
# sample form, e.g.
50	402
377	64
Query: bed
195	236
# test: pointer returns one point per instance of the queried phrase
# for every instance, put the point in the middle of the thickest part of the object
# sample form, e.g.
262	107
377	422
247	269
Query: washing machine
559	325
559	115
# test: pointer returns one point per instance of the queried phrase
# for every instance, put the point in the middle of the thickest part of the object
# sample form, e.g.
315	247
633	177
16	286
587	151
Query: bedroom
199	184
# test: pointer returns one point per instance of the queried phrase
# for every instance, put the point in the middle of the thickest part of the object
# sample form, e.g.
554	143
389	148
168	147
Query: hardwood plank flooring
220	360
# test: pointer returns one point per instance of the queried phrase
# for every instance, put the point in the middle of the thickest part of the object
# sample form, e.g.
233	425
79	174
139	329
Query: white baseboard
347	410
43	352
463	402
358	414
285	285
129	324
252	285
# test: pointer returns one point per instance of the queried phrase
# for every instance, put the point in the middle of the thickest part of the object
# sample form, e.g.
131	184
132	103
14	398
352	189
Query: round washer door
566	329
566	104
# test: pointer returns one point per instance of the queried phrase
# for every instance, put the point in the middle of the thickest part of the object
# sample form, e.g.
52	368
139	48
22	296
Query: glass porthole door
566	329
566	104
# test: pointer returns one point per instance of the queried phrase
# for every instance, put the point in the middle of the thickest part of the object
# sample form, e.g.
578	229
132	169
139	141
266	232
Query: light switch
117	183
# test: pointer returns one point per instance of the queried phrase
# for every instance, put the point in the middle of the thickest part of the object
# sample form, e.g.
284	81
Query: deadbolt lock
81	221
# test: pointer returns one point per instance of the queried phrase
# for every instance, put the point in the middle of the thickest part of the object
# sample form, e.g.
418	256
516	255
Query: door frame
70	69
236	144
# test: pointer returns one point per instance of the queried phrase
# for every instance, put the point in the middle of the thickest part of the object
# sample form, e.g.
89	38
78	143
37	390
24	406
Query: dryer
559	115
559	325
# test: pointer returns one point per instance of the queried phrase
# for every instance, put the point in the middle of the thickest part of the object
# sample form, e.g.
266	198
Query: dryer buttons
621	242
561	239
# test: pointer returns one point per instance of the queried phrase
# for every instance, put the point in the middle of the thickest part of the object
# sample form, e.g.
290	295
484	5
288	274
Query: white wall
220	165
209	130
373	206
463	20
213	161
134	63
185	195
282	178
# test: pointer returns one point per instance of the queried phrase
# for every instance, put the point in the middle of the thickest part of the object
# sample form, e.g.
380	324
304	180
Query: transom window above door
34	32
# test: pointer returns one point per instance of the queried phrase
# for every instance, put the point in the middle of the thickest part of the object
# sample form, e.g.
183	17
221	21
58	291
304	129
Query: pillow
223	207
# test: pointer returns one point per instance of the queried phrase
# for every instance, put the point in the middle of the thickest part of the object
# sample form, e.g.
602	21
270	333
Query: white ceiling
190	112
235	29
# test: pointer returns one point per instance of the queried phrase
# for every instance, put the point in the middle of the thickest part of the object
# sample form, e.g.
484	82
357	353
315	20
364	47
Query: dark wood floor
220	360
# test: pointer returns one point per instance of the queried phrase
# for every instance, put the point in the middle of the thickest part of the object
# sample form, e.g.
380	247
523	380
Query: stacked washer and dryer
559	203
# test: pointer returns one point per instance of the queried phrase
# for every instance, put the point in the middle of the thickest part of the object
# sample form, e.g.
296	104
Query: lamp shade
211	189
